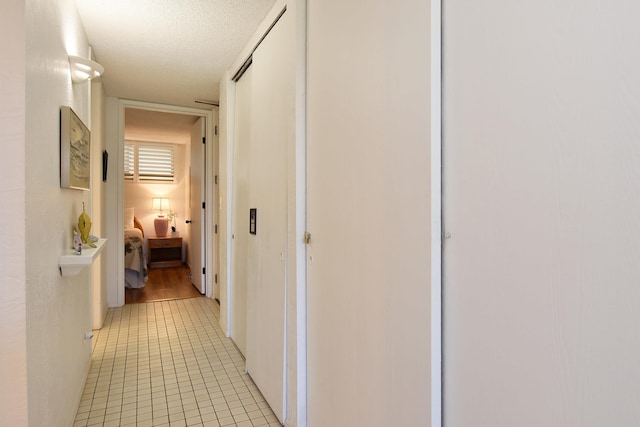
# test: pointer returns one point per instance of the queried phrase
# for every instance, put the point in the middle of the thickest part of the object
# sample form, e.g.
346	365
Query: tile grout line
149	356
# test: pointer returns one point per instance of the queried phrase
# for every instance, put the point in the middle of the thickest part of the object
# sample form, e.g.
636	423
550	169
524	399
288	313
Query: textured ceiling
168	51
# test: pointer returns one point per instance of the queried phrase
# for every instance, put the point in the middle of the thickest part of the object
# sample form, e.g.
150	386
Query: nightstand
165	252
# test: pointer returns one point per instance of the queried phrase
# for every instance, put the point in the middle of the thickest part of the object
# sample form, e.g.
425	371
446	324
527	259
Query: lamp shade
160	204
83	69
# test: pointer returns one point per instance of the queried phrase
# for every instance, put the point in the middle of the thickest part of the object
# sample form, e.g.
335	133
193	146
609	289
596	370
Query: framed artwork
75	151
105	165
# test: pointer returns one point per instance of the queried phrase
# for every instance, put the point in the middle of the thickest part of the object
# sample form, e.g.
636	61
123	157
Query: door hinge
216	179
215	277
307	237
216	229
204	140
203	270
215	129
202	205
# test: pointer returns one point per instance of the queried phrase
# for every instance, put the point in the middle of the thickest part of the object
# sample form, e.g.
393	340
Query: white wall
541	196
58	310
368	212
13	265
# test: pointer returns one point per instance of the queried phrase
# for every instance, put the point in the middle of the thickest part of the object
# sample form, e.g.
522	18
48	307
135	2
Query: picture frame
105	165
75	151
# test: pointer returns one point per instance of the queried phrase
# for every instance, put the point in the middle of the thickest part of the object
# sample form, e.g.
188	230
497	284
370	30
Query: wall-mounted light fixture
83	69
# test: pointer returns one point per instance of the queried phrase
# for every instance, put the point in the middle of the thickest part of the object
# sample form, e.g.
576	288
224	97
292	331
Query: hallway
168	363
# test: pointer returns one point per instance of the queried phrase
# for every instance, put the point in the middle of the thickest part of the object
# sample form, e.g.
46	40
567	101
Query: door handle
188	221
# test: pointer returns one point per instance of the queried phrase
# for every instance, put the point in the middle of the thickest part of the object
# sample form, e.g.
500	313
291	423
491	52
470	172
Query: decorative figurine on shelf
77	243
84	225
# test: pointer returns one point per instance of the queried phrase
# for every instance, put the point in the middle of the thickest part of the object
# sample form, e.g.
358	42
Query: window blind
148	163
129	162
155	163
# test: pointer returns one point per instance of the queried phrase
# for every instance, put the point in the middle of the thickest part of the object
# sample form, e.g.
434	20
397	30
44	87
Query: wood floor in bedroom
163	284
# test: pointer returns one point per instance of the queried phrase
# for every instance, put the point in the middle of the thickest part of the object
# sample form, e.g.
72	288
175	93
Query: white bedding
134	260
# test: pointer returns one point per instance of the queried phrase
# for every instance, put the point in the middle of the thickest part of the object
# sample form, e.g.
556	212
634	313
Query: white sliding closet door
369	214
272	103
541	203
240	219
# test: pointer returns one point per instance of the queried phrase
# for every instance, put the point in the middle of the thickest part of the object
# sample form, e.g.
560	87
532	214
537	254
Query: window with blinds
129	162
149	163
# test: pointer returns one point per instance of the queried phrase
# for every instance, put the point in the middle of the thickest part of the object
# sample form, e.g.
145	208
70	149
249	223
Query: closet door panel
272	130
240	234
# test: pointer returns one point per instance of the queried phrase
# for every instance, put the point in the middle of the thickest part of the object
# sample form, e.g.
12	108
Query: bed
135	265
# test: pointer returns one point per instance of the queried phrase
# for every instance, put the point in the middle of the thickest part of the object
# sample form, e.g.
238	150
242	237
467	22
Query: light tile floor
168	363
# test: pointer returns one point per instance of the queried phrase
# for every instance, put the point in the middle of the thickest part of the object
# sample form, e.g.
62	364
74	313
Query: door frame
437	237
116	112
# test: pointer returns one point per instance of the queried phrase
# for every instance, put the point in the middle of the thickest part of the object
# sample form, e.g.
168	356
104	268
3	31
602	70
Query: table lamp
161	223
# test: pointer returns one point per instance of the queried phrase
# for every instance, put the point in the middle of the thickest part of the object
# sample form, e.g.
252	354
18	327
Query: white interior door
196	251
272	104
216	212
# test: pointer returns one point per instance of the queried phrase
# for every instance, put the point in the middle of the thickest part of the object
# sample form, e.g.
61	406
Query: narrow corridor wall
13	257
58	309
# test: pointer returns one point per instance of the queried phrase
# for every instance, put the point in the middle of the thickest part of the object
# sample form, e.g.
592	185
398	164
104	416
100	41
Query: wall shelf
71	264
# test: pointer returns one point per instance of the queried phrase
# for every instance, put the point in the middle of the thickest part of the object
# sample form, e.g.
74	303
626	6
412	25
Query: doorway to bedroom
163	195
